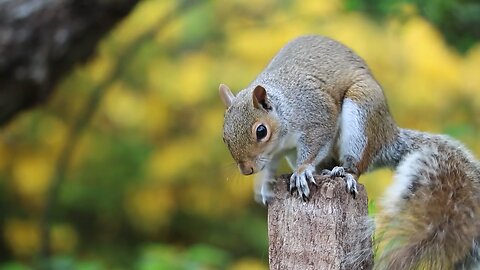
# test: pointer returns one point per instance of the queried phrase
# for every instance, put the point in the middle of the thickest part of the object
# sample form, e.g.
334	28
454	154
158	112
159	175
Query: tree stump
331	231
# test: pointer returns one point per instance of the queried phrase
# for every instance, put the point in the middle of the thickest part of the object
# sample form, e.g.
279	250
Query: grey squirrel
317	104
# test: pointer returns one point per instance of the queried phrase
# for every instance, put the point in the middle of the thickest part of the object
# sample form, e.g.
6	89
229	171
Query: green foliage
458	20
13	266
196	257
372	208
195	34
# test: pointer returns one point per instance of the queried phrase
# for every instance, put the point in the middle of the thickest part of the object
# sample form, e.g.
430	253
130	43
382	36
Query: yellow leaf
124	107
22	237
149	207
376	182
145	15
471	77
318	9
63	238
249	264
174	159
99	68
31	175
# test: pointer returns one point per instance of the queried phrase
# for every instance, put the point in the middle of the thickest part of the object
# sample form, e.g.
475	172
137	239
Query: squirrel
318	105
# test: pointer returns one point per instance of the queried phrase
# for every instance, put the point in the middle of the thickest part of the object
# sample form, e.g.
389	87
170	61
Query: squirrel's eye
261	132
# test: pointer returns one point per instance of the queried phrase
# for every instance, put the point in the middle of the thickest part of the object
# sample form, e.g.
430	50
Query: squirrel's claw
351	183
264	197
265	201
326	172
266	194
338	172
291	187
299	181
263	189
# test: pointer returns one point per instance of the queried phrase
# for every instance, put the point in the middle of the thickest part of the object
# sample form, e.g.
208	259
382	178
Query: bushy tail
433	216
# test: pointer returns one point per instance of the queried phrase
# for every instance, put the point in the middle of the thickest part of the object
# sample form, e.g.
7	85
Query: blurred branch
82	121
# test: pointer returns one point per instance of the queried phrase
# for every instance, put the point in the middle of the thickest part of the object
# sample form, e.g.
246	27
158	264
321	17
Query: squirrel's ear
260	100
226	95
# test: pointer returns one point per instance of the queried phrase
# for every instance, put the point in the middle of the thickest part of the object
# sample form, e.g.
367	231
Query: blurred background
125	166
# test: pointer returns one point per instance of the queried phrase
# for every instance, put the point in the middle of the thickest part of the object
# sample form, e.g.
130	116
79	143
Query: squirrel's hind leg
352	142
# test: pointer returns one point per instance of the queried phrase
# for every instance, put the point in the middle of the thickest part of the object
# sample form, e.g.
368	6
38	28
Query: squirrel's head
250	129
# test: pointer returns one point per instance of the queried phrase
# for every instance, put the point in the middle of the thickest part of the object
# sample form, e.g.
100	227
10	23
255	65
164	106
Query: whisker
229	170
236	178
264	159
229	165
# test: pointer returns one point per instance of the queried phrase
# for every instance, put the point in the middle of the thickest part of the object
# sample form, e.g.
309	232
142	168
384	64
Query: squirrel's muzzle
246	168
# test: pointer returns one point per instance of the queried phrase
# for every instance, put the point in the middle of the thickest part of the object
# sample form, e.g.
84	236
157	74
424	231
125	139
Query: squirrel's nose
245	168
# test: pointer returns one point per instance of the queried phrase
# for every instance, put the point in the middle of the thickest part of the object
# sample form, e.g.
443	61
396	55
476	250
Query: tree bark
331	231
41	40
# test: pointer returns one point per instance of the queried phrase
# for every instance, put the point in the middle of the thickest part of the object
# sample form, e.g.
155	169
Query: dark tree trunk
41	40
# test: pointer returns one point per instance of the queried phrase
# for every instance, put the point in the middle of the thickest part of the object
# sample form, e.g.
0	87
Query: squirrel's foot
266	194
300	179
351	183
263	190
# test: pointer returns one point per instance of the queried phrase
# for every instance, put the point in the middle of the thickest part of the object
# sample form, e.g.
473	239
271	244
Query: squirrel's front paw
265	194
300	179
351	183
263	189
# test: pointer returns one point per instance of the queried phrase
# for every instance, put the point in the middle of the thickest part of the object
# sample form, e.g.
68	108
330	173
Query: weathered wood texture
41	40
331	231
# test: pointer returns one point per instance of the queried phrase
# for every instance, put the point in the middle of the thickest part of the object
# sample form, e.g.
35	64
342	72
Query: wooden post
331	231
